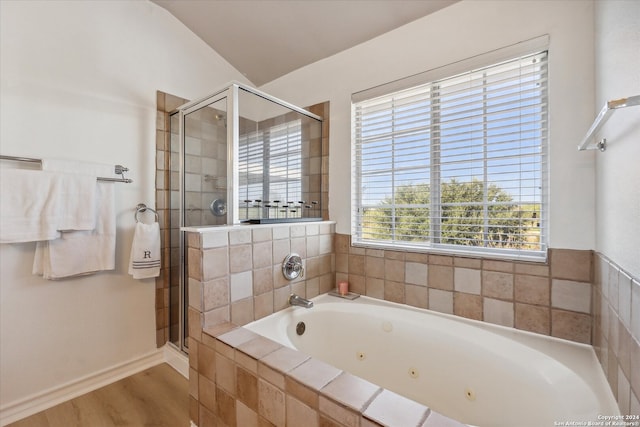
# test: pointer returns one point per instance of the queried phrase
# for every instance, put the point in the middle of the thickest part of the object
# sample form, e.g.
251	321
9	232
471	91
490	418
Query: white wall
461	31
79	81
618	169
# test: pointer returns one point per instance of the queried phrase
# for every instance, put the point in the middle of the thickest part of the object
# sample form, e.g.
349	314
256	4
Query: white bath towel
36	205
145	251
82	252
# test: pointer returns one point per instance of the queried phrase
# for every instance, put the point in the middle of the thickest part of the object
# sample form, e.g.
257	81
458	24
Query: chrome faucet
299	301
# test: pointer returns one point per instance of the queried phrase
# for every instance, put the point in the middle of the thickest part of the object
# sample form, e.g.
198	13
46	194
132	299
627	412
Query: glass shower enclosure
237	156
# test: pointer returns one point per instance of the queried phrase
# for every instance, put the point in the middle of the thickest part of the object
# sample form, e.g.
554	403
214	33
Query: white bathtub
474	372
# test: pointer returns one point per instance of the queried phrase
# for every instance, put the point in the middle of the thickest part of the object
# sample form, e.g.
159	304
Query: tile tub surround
235	272
239	378
552	298
616	331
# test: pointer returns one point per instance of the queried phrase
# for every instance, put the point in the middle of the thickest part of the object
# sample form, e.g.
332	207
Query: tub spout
299	301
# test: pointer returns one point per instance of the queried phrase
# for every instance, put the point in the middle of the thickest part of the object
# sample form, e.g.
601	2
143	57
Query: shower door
199	194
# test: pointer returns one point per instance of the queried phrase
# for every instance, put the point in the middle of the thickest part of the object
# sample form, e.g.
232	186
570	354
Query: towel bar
118	169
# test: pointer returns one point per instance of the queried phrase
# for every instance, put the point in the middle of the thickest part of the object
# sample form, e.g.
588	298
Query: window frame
433	77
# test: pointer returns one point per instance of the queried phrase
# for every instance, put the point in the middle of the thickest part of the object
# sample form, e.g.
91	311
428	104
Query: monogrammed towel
145	251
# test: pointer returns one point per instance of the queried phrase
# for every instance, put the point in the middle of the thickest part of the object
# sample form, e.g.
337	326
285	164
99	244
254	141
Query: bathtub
477	373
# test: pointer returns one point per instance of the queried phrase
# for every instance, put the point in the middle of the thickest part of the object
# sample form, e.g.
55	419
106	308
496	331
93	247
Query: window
456	164
269	166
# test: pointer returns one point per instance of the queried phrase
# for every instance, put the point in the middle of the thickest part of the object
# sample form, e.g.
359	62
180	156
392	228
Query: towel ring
143	208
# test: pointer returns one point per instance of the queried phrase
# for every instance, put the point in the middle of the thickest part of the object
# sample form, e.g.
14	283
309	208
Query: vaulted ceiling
266	39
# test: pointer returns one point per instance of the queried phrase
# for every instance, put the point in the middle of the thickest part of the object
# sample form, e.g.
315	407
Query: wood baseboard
14	411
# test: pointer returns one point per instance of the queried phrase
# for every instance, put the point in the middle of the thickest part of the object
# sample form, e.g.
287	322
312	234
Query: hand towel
82	252
145	251
36	205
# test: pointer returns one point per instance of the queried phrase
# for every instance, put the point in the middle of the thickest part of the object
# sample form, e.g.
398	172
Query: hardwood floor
157	397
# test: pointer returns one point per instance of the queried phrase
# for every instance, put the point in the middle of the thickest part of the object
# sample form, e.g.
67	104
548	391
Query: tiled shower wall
616	331
552	298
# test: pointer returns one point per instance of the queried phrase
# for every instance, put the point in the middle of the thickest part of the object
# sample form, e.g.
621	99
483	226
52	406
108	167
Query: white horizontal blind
285	162
269	168
457	164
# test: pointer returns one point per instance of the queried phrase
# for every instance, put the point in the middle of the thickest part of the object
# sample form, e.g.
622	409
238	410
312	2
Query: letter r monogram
147	254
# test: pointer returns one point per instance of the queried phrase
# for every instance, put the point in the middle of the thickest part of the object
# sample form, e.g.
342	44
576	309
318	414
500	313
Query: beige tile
376	253
312	268
280	232
312	287
325	244
226	374
299	414
436	419
239	237
472	263
245	416
624	349
342	416
571	326
441	301
416	273
624	298
374	287
247	388
313	246
635	310
216	293
569	295
271	403
533	269
298	230
498	312
532	289
393	269
262	280
634	359
207	362
342	242
350	391
226	405
194	261
299	246
440	277
248	363
242	312
262	255
467	280
237	336
284	359
571	264
356	264
440	260
417	257
497	284
397	255
216	316
194	383
241	285
342	263
280	249
357	284
394	291
314	373
492	265
533	318
263	305
391	409
262	234
258	347
215	239
416	296
374	267
467	305
281	297
240	258
305	394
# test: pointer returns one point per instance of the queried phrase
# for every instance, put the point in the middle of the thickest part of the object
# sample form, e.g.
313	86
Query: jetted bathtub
477	373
